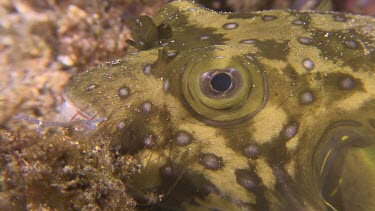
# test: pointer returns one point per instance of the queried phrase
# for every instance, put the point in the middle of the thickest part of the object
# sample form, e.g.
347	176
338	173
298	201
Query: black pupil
221	82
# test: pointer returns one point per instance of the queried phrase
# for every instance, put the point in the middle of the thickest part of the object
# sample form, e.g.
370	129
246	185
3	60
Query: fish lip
69	111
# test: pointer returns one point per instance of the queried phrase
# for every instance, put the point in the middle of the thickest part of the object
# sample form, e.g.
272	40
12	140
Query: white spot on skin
252	58
146	107
173	16
308	64
211	161
123	92
230	26
307	98
269	18
249	41
347	83
290	130
182	138
120	125
340	18
351	44
305	40
166	85
298	22
206	37
172	54
147	69
183	68
167	171
165	44
91	87
251	151
246	181
149	141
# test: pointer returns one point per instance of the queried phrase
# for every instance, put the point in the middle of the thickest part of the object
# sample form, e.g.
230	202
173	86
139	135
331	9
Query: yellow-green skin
294	132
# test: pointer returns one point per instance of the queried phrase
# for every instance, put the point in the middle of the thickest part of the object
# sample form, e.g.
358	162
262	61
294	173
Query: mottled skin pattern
291	128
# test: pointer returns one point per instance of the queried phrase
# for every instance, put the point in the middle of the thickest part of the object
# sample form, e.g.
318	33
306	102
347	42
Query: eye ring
242	95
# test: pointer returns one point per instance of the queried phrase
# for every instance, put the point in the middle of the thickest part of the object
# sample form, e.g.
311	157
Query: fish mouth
69	111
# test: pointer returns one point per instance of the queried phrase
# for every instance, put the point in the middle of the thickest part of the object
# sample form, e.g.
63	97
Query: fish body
271	110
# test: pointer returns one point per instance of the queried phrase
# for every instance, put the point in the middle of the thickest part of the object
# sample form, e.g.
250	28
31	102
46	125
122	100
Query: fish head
268	110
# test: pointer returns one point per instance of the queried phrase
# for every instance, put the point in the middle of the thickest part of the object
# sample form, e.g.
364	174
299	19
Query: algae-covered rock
58	170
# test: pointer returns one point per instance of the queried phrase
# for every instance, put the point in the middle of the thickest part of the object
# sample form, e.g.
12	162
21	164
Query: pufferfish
270	110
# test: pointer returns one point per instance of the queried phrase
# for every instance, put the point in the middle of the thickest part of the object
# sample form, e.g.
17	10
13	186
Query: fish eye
221	82
221	90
